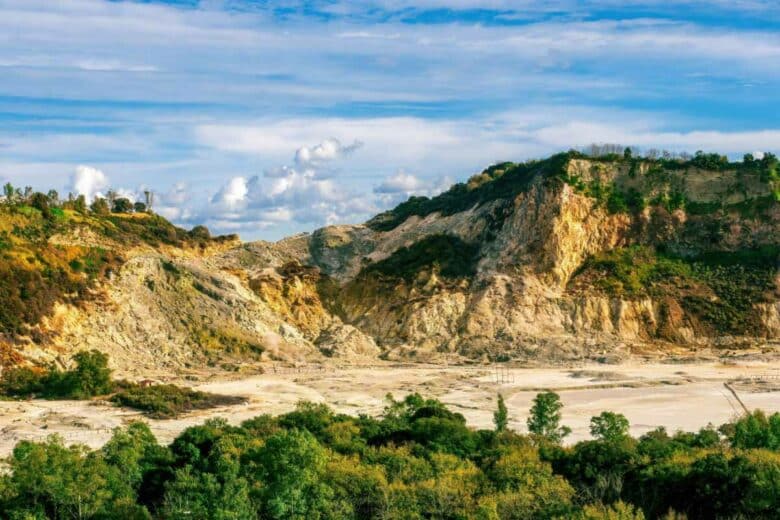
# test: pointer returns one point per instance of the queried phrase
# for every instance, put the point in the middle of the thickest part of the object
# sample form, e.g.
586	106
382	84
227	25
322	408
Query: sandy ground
678	396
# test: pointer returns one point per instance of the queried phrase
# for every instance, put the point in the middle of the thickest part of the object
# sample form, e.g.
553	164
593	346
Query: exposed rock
523	294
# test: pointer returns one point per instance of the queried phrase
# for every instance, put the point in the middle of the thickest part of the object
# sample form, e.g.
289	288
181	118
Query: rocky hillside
555	259
559	258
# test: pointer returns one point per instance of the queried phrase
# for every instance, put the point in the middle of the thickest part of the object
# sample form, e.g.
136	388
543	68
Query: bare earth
678	396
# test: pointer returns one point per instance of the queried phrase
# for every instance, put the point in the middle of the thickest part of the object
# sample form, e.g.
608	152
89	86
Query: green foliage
292	465
737	280
609	426
90	377
710	161
616	511
756	430
545	417
447	255
122	205
167	401
51	481
501	415
100	206
40	202
200	233
280	468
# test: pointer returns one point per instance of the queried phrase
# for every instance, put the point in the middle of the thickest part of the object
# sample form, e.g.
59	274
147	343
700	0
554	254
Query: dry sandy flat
677	396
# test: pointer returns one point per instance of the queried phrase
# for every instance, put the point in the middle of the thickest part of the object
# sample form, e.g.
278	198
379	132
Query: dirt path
650	395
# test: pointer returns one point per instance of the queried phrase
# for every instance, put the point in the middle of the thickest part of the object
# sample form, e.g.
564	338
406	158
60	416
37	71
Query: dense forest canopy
418	460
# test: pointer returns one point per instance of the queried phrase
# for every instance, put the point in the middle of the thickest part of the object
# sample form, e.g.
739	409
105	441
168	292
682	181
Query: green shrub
90	377
738	280
168	401
447	255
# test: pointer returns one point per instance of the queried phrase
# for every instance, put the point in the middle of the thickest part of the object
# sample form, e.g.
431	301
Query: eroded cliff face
528	296
581	258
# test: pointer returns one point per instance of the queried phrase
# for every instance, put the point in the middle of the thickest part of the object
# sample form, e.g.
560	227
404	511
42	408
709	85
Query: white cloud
174	204
328	150
401	182
232	195
434	99
398	187
88	181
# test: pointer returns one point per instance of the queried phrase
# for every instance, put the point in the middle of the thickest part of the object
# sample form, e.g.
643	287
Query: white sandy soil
678	396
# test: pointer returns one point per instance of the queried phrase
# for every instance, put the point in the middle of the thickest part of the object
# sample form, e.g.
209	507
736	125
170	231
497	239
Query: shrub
90	377
168	401
447	255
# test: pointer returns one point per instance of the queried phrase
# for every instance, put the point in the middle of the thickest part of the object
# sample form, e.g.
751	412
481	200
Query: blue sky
269	118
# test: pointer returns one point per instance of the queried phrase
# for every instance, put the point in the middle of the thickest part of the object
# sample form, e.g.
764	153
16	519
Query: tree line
418	460
46	202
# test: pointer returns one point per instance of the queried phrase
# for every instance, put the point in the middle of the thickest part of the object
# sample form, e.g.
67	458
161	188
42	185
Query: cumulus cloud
231	195
327	150
304	192
88	181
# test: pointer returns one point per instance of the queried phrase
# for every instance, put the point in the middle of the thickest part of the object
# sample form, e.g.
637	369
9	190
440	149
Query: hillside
561	258
557	259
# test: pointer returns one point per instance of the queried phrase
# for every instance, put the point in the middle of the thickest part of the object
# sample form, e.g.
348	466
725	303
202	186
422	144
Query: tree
139	207
205	496
527	486
54	197
122	205
200	233
131	449
360	489
58	482
91	376
501	415
617	511
545	417
627	153
756	430
291	465
80	204
99	206
40	202
609	426
9	192
111	196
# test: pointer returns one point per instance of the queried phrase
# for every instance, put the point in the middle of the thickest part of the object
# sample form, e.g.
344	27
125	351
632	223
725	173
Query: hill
557	259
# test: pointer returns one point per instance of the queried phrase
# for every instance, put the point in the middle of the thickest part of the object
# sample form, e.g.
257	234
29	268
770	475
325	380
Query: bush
90	377
447	255
168	401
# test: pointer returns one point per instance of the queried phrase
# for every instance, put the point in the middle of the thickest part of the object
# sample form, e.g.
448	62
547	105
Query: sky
268	118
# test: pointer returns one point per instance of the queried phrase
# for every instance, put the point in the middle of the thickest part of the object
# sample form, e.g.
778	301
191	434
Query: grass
169	401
